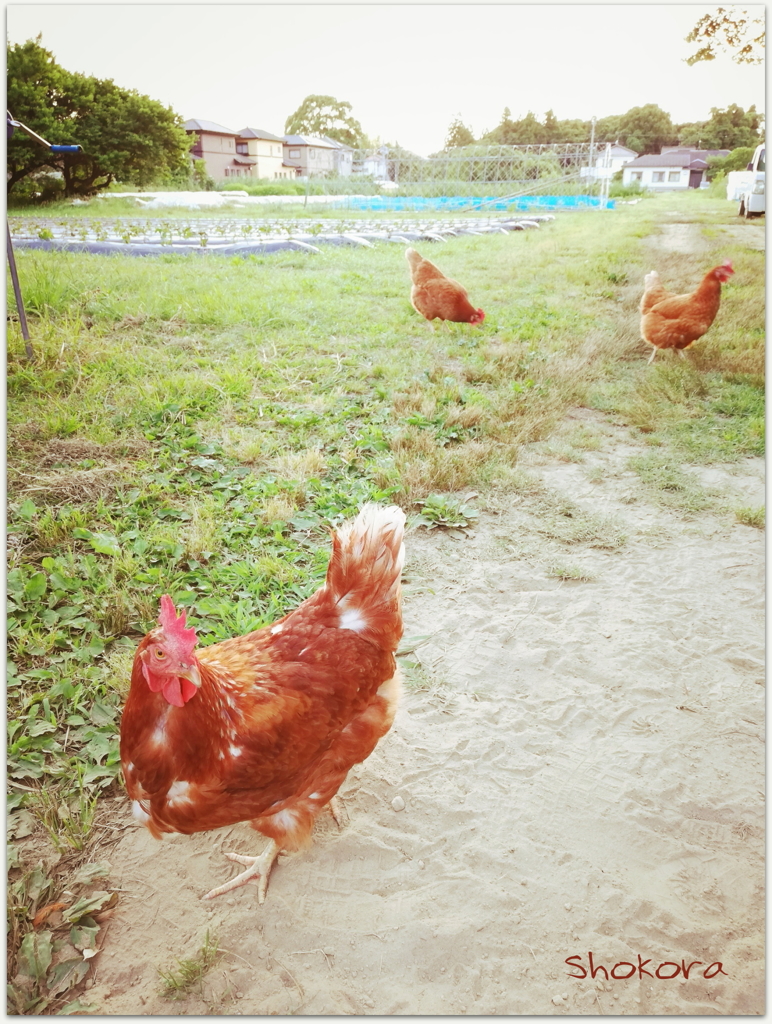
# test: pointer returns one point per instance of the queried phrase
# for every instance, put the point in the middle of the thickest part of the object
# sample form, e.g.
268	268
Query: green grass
179	980
668	484
752	516
574	573
194	427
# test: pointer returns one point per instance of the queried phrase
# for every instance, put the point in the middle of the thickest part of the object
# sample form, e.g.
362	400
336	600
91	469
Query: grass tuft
750	516
177	982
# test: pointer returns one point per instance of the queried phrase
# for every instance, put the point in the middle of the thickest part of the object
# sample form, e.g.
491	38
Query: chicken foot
338	811
260	865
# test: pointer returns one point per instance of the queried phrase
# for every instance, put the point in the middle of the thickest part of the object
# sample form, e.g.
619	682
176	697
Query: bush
737	160
618	191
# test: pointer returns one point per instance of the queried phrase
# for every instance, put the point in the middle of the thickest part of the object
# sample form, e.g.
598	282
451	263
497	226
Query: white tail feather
364	575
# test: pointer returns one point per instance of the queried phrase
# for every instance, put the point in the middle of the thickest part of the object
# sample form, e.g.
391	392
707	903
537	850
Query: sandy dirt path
582	769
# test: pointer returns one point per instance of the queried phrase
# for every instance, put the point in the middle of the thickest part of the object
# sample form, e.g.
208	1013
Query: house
309	155
215	145
609	158
669	170
375	164
343	156
262	155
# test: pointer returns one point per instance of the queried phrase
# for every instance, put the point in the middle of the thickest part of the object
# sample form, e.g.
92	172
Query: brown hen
675	321
265	727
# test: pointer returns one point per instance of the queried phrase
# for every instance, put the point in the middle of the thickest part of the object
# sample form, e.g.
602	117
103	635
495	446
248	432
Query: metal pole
17	293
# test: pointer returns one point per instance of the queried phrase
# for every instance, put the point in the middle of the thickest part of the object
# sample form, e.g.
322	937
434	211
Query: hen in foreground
675	321
435	296
265	727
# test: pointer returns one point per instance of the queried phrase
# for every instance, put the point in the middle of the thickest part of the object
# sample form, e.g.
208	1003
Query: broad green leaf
35	586
13	800
88	905
66	974
27	509
102	543
14	582
88	872
105	544
83	935
37	883
102	714
40	728
35	955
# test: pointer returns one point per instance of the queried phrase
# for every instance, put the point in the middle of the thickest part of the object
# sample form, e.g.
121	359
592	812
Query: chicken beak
191	672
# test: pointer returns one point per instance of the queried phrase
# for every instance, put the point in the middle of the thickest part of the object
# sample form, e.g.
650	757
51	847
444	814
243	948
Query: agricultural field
583	616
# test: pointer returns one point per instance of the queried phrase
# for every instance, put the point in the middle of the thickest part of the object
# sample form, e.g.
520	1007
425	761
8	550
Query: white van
752	197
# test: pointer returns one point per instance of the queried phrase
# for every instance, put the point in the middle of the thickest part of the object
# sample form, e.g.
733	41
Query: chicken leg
260	865
338	811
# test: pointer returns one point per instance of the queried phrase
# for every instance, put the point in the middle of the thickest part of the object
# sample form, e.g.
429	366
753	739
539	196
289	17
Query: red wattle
173	692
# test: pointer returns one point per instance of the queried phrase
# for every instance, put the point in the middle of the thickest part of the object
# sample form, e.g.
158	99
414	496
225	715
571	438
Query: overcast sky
407	70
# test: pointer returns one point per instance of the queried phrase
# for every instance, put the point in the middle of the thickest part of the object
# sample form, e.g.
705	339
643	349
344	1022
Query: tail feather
364	574
421	269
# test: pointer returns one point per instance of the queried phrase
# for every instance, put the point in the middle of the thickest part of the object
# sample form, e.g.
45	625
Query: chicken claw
255	866
339	812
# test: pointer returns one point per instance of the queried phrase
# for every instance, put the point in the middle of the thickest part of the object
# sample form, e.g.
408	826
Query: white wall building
670	170
608	160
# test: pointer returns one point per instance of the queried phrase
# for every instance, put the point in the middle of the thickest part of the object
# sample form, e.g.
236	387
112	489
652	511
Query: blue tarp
393	203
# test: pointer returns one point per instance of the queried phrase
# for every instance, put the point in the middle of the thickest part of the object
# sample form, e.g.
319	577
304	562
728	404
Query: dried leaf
44	914
35	955
21	824
76	1007
88	904
65	975
88	872
37	883
83	935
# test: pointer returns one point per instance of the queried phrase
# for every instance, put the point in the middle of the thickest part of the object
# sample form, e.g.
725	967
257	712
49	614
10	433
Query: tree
608	129
324	115
737	160
725	129
125	136
458	134
646	129
728	31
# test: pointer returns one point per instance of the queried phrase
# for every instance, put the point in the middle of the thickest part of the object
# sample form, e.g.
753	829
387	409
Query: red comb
174	627
728	263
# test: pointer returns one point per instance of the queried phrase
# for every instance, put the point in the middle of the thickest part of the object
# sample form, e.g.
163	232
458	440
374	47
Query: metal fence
482	173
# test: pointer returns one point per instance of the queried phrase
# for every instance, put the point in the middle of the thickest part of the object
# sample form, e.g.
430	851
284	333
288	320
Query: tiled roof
258	133
206	126
307	140
681	159
335	144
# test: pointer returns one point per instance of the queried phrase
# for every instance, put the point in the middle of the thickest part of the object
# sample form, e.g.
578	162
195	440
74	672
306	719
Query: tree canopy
324	115
125	136
647	129
458	134
728	31
737	160
729	128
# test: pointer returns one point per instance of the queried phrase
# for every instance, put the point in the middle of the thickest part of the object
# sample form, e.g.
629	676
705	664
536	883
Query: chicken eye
159	653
